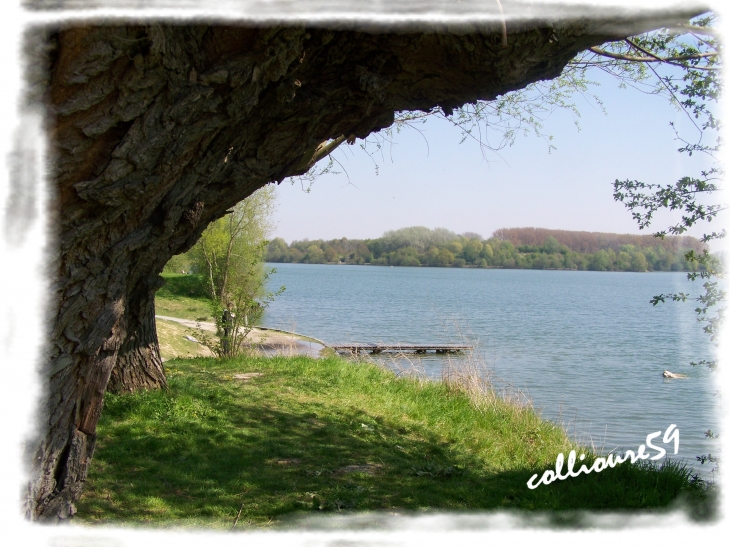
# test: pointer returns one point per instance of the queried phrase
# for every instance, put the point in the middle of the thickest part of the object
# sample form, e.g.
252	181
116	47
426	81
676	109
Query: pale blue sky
447	184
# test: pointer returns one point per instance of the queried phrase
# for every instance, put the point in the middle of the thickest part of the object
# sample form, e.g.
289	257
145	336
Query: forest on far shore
525	248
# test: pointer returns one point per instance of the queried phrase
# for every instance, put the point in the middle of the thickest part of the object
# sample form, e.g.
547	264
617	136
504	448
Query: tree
455	247
599	261
551	245
230	250
638	262
362	254
314	255
231	253
330	255
473	250
157	130
278	251
444	258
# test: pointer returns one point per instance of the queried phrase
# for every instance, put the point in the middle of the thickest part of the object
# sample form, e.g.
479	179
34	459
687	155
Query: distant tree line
524	248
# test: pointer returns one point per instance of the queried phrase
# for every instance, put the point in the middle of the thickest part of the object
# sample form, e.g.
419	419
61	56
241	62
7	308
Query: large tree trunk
158	130
139	365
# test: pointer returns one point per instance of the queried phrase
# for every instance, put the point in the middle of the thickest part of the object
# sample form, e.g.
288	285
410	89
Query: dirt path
271	341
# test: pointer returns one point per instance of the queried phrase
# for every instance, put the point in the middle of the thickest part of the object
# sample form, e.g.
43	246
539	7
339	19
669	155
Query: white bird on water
668	374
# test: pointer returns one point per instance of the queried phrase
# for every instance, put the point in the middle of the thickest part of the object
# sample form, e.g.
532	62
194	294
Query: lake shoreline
273	342
550	335
473	267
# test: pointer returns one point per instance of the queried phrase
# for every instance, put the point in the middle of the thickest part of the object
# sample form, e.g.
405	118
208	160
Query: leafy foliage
694	88
244	306
646	199
532	248
230	255
229	250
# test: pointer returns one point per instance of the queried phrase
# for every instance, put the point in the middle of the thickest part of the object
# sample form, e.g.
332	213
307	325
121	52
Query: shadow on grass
212	451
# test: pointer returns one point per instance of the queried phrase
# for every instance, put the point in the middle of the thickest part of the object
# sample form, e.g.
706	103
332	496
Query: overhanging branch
655	58
324	149
706	31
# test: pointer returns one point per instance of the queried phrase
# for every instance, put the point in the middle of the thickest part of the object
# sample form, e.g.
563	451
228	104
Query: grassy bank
183	296
312	436
173	344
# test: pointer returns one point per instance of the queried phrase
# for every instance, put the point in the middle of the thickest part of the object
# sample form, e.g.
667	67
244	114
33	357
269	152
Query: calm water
587	347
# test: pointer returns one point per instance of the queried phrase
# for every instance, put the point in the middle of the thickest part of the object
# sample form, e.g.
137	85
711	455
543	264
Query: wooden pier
400	348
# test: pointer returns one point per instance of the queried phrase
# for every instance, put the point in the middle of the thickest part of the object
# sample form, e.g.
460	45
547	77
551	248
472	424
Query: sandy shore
271	341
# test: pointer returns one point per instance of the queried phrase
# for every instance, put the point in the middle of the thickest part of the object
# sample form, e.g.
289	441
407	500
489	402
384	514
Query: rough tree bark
139	365
158	129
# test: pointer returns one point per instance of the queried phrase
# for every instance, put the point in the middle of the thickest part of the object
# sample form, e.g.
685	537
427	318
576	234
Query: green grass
183	296
173	344
188	285
316	436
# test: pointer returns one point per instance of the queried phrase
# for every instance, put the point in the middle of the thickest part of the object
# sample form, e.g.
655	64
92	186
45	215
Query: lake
586	347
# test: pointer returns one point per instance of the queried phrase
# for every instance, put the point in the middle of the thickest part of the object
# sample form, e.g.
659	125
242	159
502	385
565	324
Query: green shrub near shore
312	436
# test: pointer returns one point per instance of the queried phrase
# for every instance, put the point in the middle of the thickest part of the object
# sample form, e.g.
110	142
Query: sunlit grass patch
327	435
183	307
173	344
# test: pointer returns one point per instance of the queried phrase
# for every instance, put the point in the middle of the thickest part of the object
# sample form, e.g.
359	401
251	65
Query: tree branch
326	149
668	59
656	59
707	31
